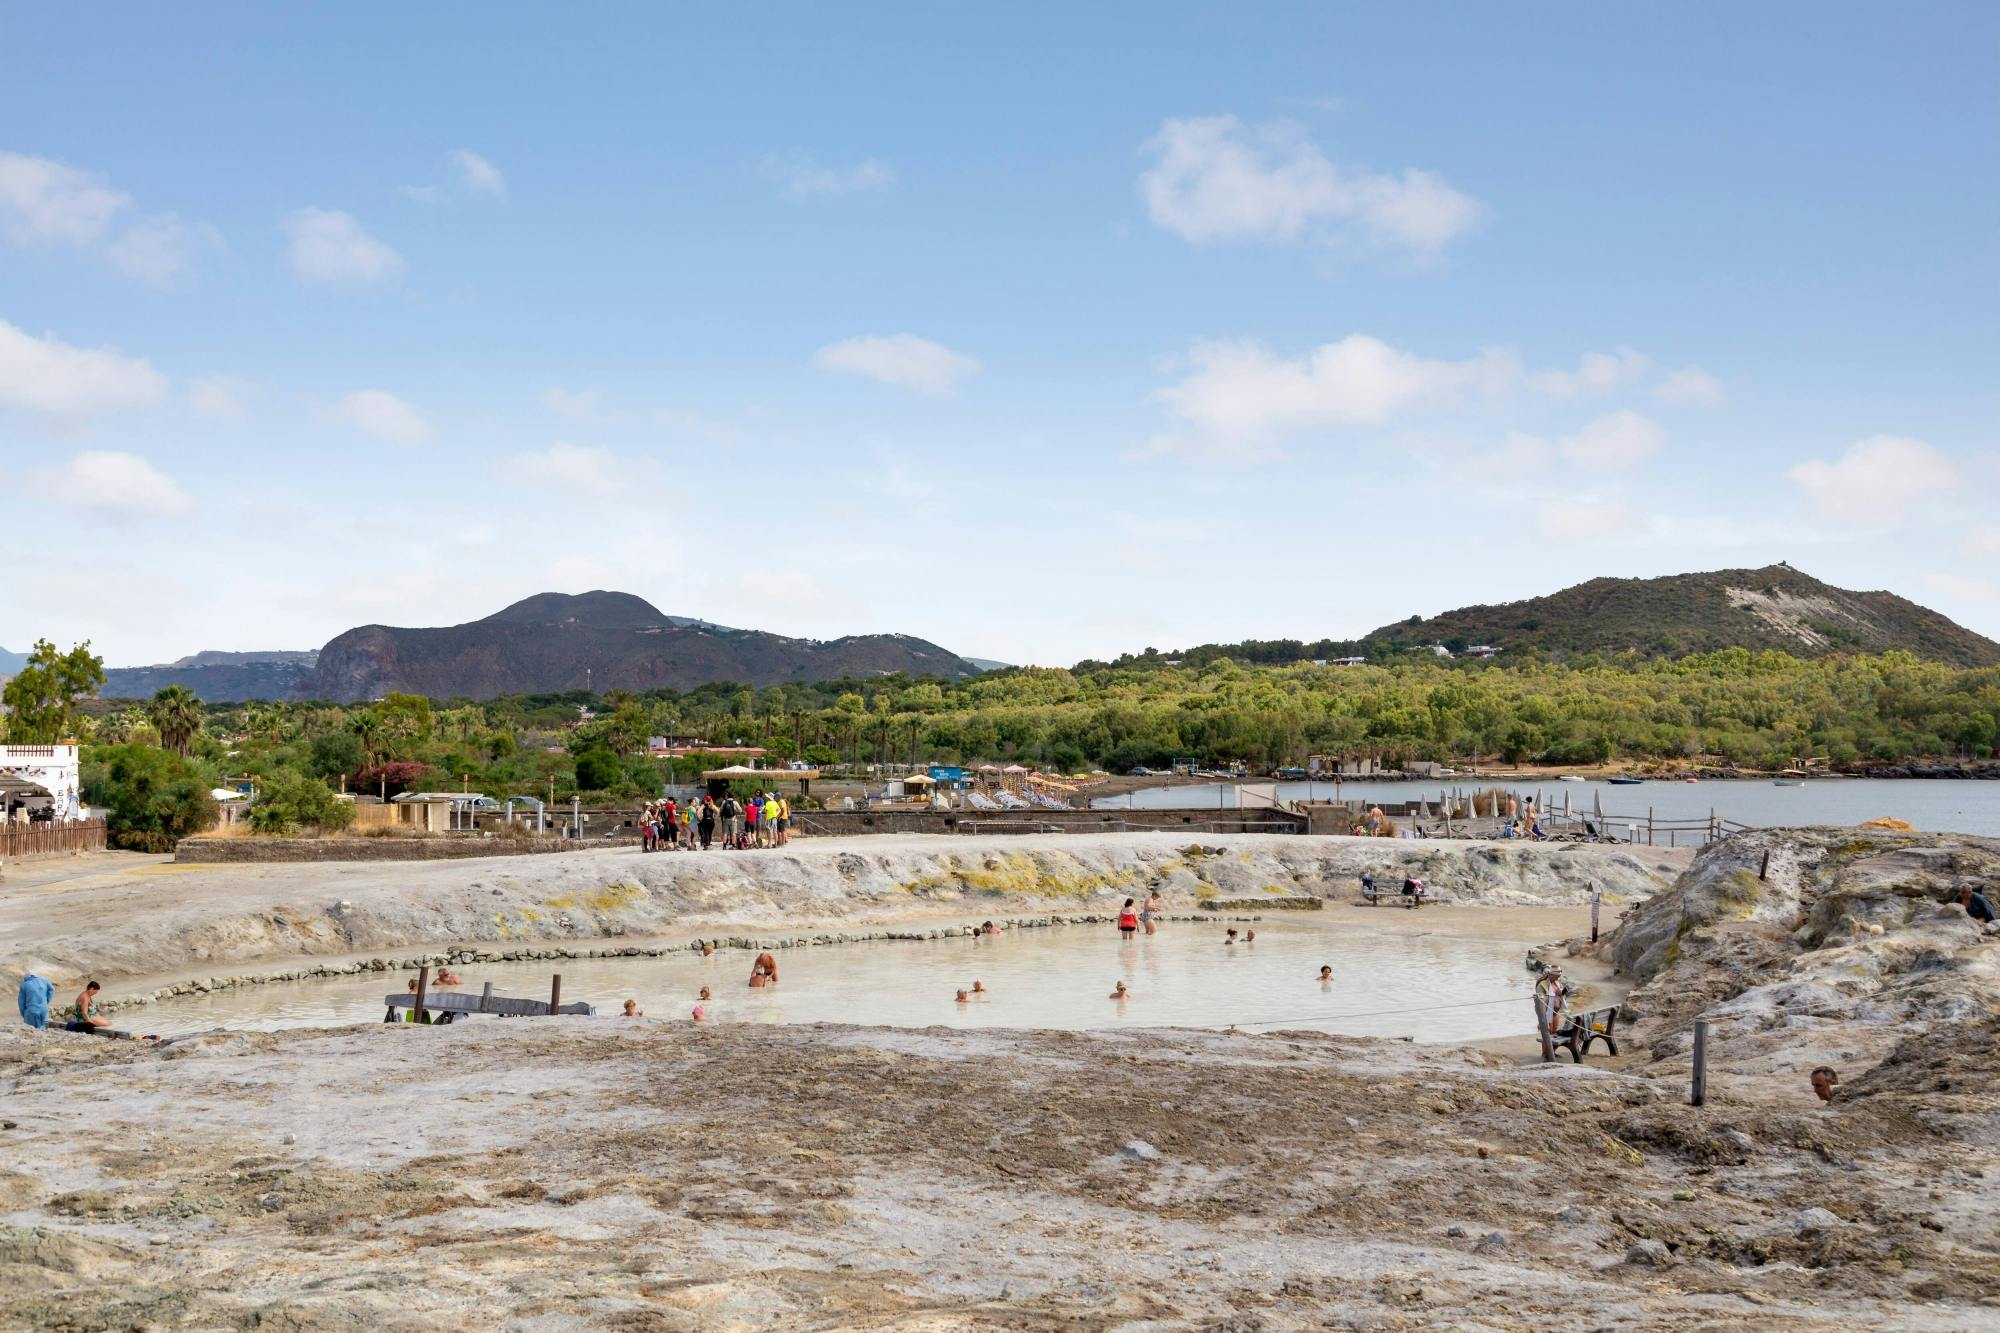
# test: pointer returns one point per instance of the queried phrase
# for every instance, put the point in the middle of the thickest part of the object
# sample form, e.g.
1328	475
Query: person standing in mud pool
1119	992
1150	912
1325	975
1128	920
1824	1081
764	972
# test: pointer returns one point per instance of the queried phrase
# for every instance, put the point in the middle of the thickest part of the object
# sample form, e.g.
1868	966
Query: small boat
1691	779
1788	782
1567	778
1625	782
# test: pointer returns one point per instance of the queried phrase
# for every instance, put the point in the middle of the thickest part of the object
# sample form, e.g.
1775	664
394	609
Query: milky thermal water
1385	985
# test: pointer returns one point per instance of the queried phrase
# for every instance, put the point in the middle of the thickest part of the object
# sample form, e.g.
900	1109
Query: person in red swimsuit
1128	920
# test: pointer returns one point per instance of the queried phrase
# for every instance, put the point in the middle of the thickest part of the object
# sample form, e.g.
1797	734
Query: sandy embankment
650	1175
149	926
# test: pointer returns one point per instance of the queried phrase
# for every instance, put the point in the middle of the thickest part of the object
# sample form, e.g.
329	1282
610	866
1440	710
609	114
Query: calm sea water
1937	806
1184	976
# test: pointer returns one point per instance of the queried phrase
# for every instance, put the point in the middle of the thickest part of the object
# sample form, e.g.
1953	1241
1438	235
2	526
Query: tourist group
765	820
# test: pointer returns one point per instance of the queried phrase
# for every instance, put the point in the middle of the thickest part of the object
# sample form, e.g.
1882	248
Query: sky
1043	332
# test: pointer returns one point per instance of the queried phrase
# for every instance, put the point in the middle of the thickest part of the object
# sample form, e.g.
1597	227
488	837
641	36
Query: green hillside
1774	607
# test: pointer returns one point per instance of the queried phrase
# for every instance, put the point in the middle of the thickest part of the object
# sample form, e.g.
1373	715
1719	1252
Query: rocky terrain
558	1173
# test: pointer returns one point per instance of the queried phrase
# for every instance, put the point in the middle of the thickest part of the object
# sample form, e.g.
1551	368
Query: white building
50	767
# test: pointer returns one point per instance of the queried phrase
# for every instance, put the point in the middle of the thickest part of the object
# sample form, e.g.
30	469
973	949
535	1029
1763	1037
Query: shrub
291	802
156	798
597	770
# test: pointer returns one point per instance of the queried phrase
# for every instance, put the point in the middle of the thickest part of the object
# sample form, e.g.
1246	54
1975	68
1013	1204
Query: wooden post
1542	1029
555	993
1595	894
1765	864
1699	1093
1649	826
486	998
423	985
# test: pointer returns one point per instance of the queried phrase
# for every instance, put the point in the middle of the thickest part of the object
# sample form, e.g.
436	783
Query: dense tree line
1759	709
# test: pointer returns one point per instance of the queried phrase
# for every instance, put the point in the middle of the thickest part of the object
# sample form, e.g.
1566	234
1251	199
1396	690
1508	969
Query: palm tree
176	714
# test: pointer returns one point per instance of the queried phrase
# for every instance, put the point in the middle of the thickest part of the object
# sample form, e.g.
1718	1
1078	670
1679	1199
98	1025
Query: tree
334	754
597	770
290	802
177	715
42	698
156	798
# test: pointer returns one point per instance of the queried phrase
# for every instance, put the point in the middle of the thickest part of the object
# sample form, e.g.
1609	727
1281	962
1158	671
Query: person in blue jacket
36	992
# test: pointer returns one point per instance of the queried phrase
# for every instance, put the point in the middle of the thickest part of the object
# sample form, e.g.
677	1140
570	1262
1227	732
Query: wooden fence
84	835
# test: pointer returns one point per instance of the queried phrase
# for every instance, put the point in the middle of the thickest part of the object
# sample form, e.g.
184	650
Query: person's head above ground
1119	992
1824	1080
1325	971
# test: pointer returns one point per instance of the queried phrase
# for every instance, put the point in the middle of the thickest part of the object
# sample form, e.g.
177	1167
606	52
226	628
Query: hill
547	642
1773	607
603	640
11	663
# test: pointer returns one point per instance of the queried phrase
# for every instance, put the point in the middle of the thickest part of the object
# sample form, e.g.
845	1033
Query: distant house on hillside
1482	650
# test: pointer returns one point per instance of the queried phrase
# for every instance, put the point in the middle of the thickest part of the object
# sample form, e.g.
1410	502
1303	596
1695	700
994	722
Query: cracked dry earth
558	1173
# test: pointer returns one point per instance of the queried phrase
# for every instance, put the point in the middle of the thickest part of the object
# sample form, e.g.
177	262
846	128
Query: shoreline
123	918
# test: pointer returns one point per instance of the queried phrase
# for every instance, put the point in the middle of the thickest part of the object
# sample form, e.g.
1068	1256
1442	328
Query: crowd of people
764	820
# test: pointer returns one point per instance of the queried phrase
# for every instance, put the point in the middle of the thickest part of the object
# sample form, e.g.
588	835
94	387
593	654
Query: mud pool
1385	985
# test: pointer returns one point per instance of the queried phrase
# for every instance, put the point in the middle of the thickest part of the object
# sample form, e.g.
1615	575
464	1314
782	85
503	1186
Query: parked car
1142	772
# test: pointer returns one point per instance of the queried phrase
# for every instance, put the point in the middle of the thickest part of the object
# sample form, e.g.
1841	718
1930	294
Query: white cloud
1597	372
1876	480
42	200
583	405
160	250
221	398
1692	385
380	414
1614	441
55	379
803	178
1213	180
110	482
332	247
475	173
1520	456
1242	393
584	469
1586	518
1964	587
899	358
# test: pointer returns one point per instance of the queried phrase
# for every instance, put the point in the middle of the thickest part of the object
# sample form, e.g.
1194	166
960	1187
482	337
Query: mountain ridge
1775	606
545	642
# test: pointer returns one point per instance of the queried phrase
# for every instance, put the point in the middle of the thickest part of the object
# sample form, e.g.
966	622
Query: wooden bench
1579	1030
1373	894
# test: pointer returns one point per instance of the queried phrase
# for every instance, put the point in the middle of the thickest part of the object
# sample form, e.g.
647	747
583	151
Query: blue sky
1040	331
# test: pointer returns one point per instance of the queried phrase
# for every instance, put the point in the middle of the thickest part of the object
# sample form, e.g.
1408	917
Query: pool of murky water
1427	987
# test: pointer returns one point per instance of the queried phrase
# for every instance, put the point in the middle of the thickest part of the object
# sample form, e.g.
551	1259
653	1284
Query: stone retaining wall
209	851
847	823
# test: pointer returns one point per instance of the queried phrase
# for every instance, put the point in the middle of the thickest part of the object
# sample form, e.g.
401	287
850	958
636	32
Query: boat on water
1625	782
1567	778
1788	782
